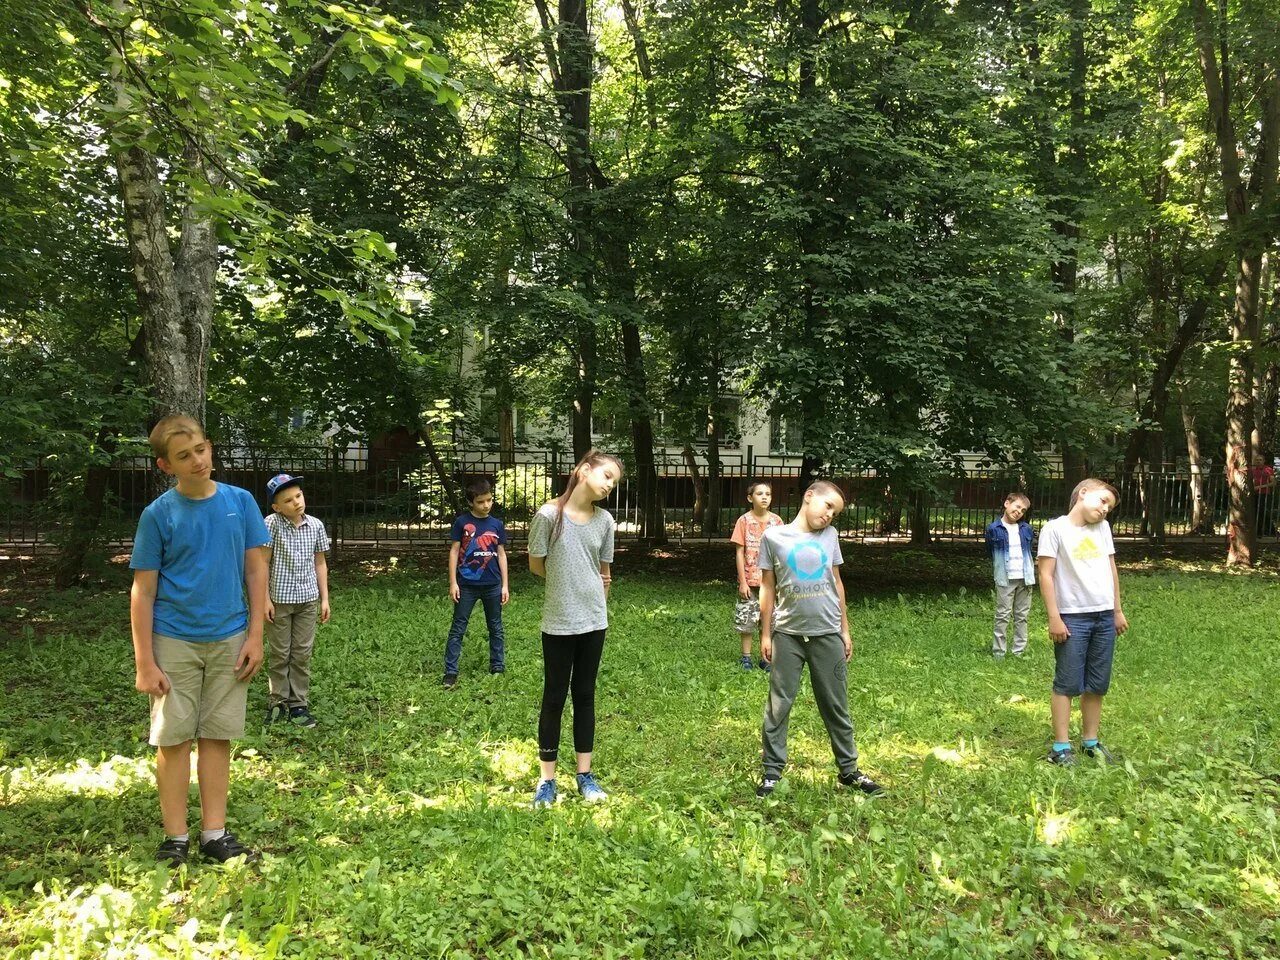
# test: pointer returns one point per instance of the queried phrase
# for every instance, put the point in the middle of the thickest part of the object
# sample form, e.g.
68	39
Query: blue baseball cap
279	482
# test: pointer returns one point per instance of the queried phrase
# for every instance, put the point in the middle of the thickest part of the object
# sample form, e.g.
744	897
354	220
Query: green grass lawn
401	826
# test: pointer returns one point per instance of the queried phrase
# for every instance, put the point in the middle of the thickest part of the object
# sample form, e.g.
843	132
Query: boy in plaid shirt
298	597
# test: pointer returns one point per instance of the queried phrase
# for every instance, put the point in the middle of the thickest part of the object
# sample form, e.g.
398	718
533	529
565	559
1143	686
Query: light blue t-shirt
198	548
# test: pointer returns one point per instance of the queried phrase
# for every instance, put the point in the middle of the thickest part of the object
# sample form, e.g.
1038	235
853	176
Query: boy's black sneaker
301	716
277	711
1099	751
173	852
1062	758
493	669
450	681
227	847
767	786
861	781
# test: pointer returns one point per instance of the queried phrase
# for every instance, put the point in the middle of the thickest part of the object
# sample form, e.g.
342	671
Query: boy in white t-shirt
1081	590
1013	567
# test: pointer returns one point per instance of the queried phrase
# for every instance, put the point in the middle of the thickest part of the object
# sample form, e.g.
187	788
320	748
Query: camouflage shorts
746	613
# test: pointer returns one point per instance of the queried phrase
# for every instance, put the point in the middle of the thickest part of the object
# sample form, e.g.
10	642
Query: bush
521	490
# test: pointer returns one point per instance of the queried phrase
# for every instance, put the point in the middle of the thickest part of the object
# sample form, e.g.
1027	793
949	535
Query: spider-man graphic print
478	539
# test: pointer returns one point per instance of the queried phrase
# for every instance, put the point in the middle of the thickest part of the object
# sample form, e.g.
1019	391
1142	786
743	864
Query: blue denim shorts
1083	661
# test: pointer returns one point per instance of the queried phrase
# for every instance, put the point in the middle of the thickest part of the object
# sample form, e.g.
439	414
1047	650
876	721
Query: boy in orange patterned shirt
747	534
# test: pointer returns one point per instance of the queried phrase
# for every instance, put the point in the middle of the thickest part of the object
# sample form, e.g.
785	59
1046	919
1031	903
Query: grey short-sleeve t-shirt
803	565
574	602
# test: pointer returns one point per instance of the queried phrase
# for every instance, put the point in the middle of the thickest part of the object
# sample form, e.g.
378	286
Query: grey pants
1012	599
827	674
290	640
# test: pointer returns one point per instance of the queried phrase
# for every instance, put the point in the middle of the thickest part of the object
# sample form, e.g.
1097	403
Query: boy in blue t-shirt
477	572
196	643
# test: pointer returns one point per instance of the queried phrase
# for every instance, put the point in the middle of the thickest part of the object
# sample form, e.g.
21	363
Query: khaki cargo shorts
205	700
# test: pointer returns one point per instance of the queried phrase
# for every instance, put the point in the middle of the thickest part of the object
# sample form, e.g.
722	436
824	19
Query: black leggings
569	663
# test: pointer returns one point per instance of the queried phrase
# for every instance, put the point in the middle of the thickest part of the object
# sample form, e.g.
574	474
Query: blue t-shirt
198	548
478	556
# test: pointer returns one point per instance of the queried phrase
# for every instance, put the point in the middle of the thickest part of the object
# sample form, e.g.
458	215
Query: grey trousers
1013	599
290	640
828	675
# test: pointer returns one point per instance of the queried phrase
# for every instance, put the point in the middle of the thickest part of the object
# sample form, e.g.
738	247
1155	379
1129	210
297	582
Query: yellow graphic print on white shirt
1086	549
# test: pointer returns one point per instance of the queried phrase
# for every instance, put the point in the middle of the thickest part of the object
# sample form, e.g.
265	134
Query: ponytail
593	458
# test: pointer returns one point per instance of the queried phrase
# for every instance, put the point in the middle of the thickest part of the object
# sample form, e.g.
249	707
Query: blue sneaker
590	790
746	662
545	795
764	665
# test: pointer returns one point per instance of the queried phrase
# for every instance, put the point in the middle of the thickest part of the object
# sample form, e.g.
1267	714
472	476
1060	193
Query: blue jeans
491	597
1083	661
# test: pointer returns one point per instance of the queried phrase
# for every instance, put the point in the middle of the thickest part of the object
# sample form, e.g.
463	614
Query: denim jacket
998	550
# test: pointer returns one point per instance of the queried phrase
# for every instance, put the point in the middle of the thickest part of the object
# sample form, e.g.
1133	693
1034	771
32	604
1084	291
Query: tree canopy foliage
909	229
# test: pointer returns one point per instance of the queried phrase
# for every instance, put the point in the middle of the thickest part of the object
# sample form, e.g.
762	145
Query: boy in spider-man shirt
477	572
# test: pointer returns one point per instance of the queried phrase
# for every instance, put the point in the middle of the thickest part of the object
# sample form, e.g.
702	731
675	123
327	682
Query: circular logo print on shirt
807	561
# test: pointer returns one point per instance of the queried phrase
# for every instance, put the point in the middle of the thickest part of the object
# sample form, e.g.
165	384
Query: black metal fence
374	497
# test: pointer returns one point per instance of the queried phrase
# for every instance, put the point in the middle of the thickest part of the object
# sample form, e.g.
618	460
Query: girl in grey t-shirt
571	545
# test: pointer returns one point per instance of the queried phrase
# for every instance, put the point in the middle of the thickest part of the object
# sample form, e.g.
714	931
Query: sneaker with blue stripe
590	790
545	795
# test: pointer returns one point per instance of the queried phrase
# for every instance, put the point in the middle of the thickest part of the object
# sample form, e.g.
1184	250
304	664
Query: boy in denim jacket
1013	565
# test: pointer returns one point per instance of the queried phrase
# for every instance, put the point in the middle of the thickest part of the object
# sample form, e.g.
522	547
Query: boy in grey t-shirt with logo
800	578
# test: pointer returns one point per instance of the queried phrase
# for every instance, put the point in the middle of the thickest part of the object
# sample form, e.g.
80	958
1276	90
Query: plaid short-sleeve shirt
293	558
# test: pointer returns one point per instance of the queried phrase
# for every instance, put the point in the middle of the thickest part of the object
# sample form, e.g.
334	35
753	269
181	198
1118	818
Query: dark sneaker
450	681
764	665
1063	758
497	669
227	847
767	785
746	663
860	780
1099	751
275	712
301	716
173	852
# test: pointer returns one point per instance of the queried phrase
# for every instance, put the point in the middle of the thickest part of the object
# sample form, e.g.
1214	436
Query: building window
729	412
785	435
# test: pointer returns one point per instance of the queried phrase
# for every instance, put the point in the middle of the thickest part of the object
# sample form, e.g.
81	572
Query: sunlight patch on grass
1054	829
108	778
1260	886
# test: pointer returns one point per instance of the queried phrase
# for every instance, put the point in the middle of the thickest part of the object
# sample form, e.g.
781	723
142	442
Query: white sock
207	835
185	837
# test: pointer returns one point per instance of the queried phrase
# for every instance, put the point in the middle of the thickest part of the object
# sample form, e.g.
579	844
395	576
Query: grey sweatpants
1012	599
828	674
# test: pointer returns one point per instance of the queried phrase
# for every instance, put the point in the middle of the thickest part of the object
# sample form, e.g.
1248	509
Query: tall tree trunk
1154	496
502	389
711	519
1199	512
569	59
1063	170
699	486
1266	393
1249	220
811	400
174	298
920	533
653	528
